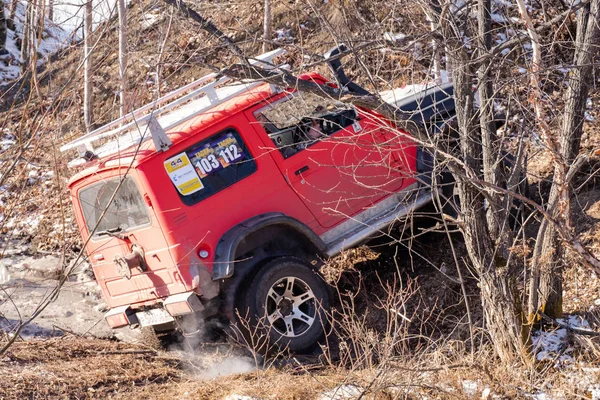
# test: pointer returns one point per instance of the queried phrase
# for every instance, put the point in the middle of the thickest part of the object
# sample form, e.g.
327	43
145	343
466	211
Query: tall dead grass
380	346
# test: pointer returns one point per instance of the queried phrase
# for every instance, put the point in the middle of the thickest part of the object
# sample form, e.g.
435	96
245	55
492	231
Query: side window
302	119
210	166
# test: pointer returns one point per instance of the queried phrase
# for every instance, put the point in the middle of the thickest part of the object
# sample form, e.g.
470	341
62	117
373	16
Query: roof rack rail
148	117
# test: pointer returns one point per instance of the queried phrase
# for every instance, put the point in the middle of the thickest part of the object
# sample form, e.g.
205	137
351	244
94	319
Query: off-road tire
285	291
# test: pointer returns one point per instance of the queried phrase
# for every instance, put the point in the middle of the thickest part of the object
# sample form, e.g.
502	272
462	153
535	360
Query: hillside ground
433	357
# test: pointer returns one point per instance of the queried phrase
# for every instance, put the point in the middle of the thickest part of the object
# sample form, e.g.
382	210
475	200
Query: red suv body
233	215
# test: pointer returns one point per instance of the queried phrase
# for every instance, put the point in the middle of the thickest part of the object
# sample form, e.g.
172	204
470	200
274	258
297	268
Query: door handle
301	170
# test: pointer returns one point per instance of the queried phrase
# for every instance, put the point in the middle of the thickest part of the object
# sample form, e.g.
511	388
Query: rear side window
125	212
210	166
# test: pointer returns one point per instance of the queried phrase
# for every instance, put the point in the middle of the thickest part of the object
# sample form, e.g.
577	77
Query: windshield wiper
114	232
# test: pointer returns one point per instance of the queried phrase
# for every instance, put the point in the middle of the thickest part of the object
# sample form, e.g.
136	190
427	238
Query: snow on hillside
53	39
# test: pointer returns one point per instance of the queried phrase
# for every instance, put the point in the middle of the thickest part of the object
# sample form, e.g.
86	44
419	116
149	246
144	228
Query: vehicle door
332	156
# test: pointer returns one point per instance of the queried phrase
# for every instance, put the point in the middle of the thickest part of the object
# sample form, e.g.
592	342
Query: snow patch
4	275
553	346
239	397
498	18
342	392
575	321
150	19
393	37
6	138
469	387
53	39
284	35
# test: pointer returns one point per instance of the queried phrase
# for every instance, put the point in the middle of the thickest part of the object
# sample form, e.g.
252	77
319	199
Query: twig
400	315
65	330
437	369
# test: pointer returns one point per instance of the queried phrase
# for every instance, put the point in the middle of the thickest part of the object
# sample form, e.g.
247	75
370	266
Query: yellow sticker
183	174
177	162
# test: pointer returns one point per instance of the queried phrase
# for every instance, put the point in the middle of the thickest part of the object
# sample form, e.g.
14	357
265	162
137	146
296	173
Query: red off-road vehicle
242	191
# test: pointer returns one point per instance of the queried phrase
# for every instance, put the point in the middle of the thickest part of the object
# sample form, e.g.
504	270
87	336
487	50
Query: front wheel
289	302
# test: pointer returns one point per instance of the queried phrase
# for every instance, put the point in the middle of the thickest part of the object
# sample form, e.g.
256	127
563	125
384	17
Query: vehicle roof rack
165	113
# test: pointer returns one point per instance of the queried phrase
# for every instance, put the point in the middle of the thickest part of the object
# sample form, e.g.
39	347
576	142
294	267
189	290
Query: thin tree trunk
553	145
122	57
267	26
25	42
51	10
161	53
11	14
3	26
432	13
495	212
550	249
436	68
87	71
37	31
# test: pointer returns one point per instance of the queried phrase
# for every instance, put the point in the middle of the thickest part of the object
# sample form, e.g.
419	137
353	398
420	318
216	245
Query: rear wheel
288	302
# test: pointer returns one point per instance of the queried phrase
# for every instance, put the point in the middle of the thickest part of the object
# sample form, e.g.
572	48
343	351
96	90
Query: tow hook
135	259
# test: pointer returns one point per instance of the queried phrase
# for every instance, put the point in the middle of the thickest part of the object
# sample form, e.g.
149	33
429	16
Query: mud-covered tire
289	304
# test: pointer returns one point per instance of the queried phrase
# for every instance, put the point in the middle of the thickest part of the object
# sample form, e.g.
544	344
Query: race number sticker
183	174
228	149
210	157
205	160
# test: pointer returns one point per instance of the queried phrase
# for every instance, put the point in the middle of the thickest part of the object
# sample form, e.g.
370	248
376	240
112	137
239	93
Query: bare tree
436	64
33	28
88	65
484	213
122	56
547	260
10	23
27	35
267	26
3	29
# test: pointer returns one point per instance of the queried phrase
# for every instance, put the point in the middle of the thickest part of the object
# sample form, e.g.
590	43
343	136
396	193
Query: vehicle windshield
126	211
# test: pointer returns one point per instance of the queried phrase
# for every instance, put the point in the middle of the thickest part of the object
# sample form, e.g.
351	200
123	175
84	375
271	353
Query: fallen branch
574	329
101	353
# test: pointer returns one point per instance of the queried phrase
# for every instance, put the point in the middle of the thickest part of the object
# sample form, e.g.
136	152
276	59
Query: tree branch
371	102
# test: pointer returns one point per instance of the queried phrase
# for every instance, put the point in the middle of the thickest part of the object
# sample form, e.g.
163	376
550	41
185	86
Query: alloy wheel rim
291	307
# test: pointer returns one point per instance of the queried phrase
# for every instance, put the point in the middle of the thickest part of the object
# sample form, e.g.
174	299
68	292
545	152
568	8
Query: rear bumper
177	305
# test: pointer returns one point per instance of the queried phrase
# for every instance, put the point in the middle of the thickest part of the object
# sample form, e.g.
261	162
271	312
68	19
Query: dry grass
88	368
